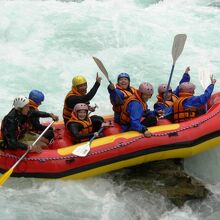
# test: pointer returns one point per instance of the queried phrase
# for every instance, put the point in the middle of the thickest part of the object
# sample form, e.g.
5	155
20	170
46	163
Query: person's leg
48	136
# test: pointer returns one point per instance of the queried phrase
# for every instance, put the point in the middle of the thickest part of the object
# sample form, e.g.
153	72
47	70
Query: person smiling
119	93
81	126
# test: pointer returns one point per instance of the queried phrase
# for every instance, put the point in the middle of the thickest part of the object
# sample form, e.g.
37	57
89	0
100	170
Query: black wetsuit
14	125
34	119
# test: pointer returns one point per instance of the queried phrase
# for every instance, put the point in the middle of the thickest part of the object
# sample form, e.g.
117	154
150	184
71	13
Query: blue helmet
37	96
123	75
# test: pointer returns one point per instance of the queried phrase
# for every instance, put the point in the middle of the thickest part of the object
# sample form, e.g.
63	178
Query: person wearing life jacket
120	93
135	107
78	94
15	124
81	126
36	98
172	96
188	106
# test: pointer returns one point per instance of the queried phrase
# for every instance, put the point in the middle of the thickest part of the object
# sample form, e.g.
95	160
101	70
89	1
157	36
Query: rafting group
21	126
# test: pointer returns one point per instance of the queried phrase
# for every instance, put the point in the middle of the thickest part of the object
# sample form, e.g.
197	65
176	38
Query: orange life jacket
168	103
66	110
125	116
87	126
126	94
180	113
33	104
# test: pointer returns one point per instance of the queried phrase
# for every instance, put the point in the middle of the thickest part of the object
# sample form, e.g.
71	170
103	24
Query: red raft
118	150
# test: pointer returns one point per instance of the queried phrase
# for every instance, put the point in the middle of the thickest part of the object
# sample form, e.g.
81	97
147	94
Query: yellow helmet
78	80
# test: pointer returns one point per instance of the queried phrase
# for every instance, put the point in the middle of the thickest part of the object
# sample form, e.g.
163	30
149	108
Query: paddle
104	71
7	174
178	45
102	68
204	79
84	149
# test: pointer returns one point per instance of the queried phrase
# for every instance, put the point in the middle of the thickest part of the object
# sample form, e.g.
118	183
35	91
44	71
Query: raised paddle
104	71
102	68
178	45
84	149
204	79
7	174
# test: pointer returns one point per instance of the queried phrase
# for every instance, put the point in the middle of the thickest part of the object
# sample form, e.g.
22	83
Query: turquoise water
43	44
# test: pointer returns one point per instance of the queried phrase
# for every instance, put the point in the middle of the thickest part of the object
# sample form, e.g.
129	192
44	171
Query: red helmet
80	106
146	88
162	88
187	87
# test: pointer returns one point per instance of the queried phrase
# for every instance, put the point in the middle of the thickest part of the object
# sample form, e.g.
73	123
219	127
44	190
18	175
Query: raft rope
121	144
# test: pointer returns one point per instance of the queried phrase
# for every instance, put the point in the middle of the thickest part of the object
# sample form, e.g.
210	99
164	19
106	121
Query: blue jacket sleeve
148	113
185	78
159	106
198	101
136	111
116	96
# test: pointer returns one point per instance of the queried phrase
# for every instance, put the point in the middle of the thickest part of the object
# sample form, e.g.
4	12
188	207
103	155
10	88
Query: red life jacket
66	110
87	126
125	116
180	113
126	94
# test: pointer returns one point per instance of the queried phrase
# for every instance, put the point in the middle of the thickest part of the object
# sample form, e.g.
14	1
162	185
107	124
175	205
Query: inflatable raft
117	150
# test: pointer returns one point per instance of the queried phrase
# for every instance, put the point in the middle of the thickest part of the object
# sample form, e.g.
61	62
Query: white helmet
20	102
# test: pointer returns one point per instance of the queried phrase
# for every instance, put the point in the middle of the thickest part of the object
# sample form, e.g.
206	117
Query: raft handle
171	134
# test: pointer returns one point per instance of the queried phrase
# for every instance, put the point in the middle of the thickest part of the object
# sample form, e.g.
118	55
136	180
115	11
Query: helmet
20	102
187	87
78	80
37	96
123	75
80	106
146	88
162	88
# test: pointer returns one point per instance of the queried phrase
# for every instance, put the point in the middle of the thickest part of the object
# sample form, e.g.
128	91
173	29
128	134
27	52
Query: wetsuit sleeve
34	116
38	114
197	101
73	100
75	128
136	111
10	135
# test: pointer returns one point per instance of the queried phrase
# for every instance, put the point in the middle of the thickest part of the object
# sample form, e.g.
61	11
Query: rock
166	177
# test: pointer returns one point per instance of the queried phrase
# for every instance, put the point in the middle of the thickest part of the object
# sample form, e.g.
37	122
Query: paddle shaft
178	45
169	81
7	174
27	151
104	71
100	130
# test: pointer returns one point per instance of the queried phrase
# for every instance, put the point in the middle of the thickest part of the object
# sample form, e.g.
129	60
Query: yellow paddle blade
5	176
